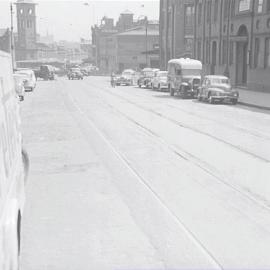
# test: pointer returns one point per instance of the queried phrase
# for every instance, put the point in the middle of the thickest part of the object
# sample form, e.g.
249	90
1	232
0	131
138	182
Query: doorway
242	56
214	58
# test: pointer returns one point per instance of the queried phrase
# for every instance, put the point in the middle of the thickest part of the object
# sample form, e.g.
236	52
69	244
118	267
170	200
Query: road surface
129	178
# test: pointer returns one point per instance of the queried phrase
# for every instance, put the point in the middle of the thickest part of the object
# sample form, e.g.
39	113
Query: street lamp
12	37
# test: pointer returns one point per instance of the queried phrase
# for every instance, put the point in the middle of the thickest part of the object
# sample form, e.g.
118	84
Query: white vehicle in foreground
160	81
30	78
13	168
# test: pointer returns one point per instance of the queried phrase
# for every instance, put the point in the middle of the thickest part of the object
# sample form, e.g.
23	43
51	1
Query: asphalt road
129	178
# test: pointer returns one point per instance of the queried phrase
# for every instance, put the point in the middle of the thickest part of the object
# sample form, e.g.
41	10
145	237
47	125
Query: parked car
184	77
47	72
19	85
160	81
145	78
217	88
126	78
75	73
30	78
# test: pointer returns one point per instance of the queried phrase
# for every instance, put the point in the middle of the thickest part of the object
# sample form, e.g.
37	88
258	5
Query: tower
27	34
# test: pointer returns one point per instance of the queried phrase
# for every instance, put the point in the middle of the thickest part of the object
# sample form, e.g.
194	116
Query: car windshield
220	81
75	70
148	73
23	73
163	74
127	73
194	72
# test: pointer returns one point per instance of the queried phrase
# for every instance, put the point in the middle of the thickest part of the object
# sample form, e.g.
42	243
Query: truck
14	164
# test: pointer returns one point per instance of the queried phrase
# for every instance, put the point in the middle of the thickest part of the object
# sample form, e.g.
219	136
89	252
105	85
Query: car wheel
159	88
210	99
234	101
171	90
199	97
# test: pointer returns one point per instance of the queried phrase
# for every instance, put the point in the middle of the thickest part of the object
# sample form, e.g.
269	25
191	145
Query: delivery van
13	168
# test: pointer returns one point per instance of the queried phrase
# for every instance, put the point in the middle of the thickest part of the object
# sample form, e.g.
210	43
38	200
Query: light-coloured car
160	81
217	88
30	78
126	78
19	85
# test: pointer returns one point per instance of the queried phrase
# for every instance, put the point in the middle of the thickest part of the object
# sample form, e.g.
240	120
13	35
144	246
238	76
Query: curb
253	105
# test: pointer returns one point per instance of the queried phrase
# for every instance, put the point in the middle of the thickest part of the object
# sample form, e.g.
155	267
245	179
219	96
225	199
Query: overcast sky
70	20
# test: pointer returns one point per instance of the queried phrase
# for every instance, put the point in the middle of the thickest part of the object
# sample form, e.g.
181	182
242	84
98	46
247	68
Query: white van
184	77
13	168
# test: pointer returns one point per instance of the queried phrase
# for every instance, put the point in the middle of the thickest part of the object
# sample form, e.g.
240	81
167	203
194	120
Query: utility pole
12	37
227	70
146	41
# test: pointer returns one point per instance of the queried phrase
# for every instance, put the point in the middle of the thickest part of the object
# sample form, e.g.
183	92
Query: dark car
217	88
146	77
75	73
46	72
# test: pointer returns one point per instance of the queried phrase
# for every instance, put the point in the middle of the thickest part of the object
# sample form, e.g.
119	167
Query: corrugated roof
139	32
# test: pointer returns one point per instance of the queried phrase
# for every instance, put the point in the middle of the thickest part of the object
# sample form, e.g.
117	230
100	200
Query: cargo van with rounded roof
13	168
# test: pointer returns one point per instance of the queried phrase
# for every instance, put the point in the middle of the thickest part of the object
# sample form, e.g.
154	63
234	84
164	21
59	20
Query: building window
232	8
208	11
199	50
224	52
244	5
207	52
231	52
200	13
226	9
268	5
256	52
260	6
216	10
267	53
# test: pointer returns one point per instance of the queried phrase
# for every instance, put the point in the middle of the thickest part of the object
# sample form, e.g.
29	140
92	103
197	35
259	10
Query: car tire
234	101
210	99
159	88
171	90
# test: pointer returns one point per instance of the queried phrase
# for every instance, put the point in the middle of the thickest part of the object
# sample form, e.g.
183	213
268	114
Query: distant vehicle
75	73
13	169
19	85
160	81
126	78
145	78
184	77
47	72
30	78
217	88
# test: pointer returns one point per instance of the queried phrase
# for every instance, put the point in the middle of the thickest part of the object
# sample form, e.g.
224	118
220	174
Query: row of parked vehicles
24	80
184	78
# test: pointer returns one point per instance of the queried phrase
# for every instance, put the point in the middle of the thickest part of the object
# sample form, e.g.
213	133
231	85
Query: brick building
128	44
176	30
232	37
5	39
26	48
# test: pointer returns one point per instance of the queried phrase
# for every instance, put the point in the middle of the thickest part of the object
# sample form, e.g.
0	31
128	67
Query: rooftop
26	2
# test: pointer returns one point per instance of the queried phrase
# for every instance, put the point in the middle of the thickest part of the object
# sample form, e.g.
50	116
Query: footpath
254	98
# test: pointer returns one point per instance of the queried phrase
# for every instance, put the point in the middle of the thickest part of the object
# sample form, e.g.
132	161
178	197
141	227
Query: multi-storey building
5	39
128	44
27	33
176	29
232	37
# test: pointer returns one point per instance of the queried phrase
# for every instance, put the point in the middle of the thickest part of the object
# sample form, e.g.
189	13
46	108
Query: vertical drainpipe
227	71
167	33
204	13
195	29
161	25
173	33
220	32
251	34
210	32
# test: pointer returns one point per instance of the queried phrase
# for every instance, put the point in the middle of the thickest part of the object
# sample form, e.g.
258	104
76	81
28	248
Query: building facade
176	31
128	44
232	37
25	46
5	40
